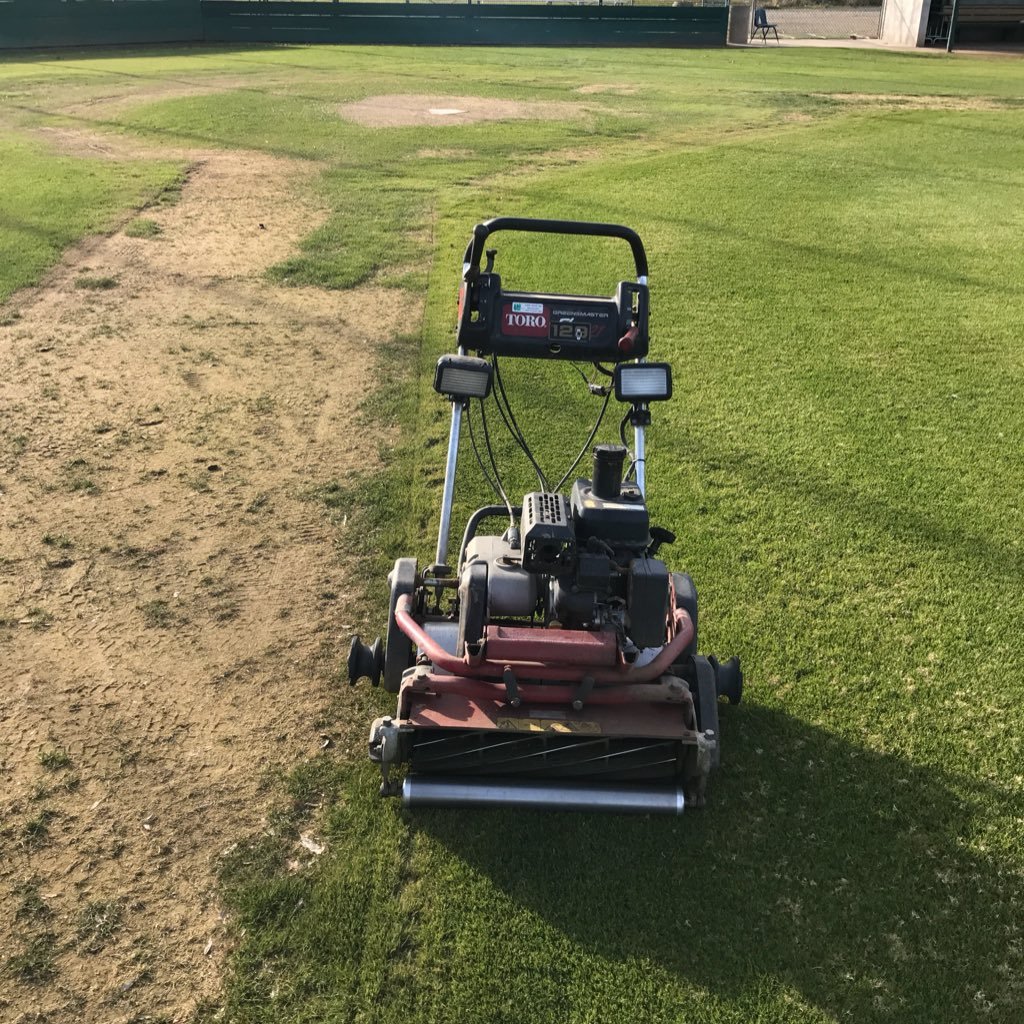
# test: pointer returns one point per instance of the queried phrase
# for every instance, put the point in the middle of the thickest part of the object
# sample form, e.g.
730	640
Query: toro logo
524	318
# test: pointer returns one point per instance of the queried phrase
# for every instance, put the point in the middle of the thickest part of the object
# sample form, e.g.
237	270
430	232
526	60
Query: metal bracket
585	688
385	750
508	677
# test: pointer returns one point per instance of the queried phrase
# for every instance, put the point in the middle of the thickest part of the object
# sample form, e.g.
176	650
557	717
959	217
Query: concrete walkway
1012	52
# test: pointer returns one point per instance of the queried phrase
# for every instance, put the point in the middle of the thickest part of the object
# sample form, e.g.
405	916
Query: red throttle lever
628	340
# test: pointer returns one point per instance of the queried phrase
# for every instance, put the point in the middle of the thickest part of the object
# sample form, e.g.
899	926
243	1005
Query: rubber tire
399	653
705	699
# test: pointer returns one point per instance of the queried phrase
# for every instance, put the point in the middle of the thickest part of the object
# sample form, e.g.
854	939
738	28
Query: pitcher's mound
404	110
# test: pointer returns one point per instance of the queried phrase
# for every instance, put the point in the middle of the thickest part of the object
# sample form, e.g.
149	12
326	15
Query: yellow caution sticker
547	725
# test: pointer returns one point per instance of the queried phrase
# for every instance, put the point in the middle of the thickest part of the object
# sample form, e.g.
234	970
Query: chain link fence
805	21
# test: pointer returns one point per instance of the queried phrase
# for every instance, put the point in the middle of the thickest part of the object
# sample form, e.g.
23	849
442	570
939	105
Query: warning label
547	725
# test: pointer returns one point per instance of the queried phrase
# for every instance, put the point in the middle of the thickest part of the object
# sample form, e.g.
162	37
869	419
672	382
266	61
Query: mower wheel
398	655
705	698
728	679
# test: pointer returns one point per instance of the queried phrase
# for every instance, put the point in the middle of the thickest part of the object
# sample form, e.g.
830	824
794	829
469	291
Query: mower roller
555	665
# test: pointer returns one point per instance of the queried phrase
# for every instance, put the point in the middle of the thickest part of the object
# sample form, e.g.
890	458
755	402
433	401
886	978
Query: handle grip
475	249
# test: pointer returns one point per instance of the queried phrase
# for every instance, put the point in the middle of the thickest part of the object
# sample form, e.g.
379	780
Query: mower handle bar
475	249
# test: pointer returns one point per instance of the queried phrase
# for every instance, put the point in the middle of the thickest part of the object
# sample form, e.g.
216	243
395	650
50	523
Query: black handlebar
475	249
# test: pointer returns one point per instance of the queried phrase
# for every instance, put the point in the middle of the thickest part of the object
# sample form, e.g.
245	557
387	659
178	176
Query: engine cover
619	522
511	590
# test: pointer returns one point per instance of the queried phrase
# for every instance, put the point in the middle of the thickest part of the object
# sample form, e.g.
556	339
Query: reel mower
553	665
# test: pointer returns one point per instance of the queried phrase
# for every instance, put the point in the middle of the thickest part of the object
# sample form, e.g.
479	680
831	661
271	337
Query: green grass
48	201
142	227
158	614
36	831
98	922
35	964
54	758
841	300
96	284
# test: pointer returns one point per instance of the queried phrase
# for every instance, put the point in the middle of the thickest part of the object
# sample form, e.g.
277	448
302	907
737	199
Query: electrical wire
513	426
494	465
579	370
622	429
587	443
476	451
625	444
505	408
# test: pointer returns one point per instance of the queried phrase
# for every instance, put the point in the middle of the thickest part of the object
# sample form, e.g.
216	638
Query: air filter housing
548	535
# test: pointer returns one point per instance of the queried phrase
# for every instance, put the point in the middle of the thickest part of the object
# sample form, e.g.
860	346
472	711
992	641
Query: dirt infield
405	110
169	601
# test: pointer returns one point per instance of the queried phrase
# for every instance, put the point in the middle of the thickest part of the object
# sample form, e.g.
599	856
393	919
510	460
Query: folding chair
763	25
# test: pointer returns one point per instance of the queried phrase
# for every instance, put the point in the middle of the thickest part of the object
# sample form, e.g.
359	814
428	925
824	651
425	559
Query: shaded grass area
841	301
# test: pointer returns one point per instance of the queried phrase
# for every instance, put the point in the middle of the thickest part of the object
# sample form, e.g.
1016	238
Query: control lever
659	536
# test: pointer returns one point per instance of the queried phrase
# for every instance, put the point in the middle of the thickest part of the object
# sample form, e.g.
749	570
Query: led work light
643	382
462	377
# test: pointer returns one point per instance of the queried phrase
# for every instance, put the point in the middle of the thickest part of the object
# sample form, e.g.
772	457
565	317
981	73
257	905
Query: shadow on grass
839	872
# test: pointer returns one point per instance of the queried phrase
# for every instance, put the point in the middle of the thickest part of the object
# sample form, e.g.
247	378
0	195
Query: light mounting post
640	383
460	378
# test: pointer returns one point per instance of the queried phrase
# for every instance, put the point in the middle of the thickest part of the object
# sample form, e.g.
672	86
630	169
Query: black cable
514	428
578	369
622	430
587	443
604	370
505	408
494	465
476	452
625	444
508	426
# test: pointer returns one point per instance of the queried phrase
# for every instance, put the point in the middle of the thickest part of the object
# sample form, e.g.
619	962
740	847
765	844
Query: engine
577	562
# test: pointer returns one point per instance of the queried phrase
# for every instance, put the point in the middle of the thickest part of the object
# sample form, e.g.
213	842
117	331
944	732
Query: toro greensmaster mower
553	665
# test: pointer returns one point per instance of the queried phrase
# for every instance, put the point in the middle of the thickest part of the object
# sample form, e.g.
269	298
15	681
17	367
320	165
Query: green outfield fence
42	23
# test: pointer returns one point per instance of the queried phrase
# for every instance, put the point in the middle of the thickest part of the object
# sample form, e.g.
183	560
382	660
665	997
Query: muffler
541	794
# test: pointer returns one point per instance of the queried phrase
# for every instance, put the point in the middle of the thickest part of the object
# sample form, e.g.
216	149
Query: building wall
904	22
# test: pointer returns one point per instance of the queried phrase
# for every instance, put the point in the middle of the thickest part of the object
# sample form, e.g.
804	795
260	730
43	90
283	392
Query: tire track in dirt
168	590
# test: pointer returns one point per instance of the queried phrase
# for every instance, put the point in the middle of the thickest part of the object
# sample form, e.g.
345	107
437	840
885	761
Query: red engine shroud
534	648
